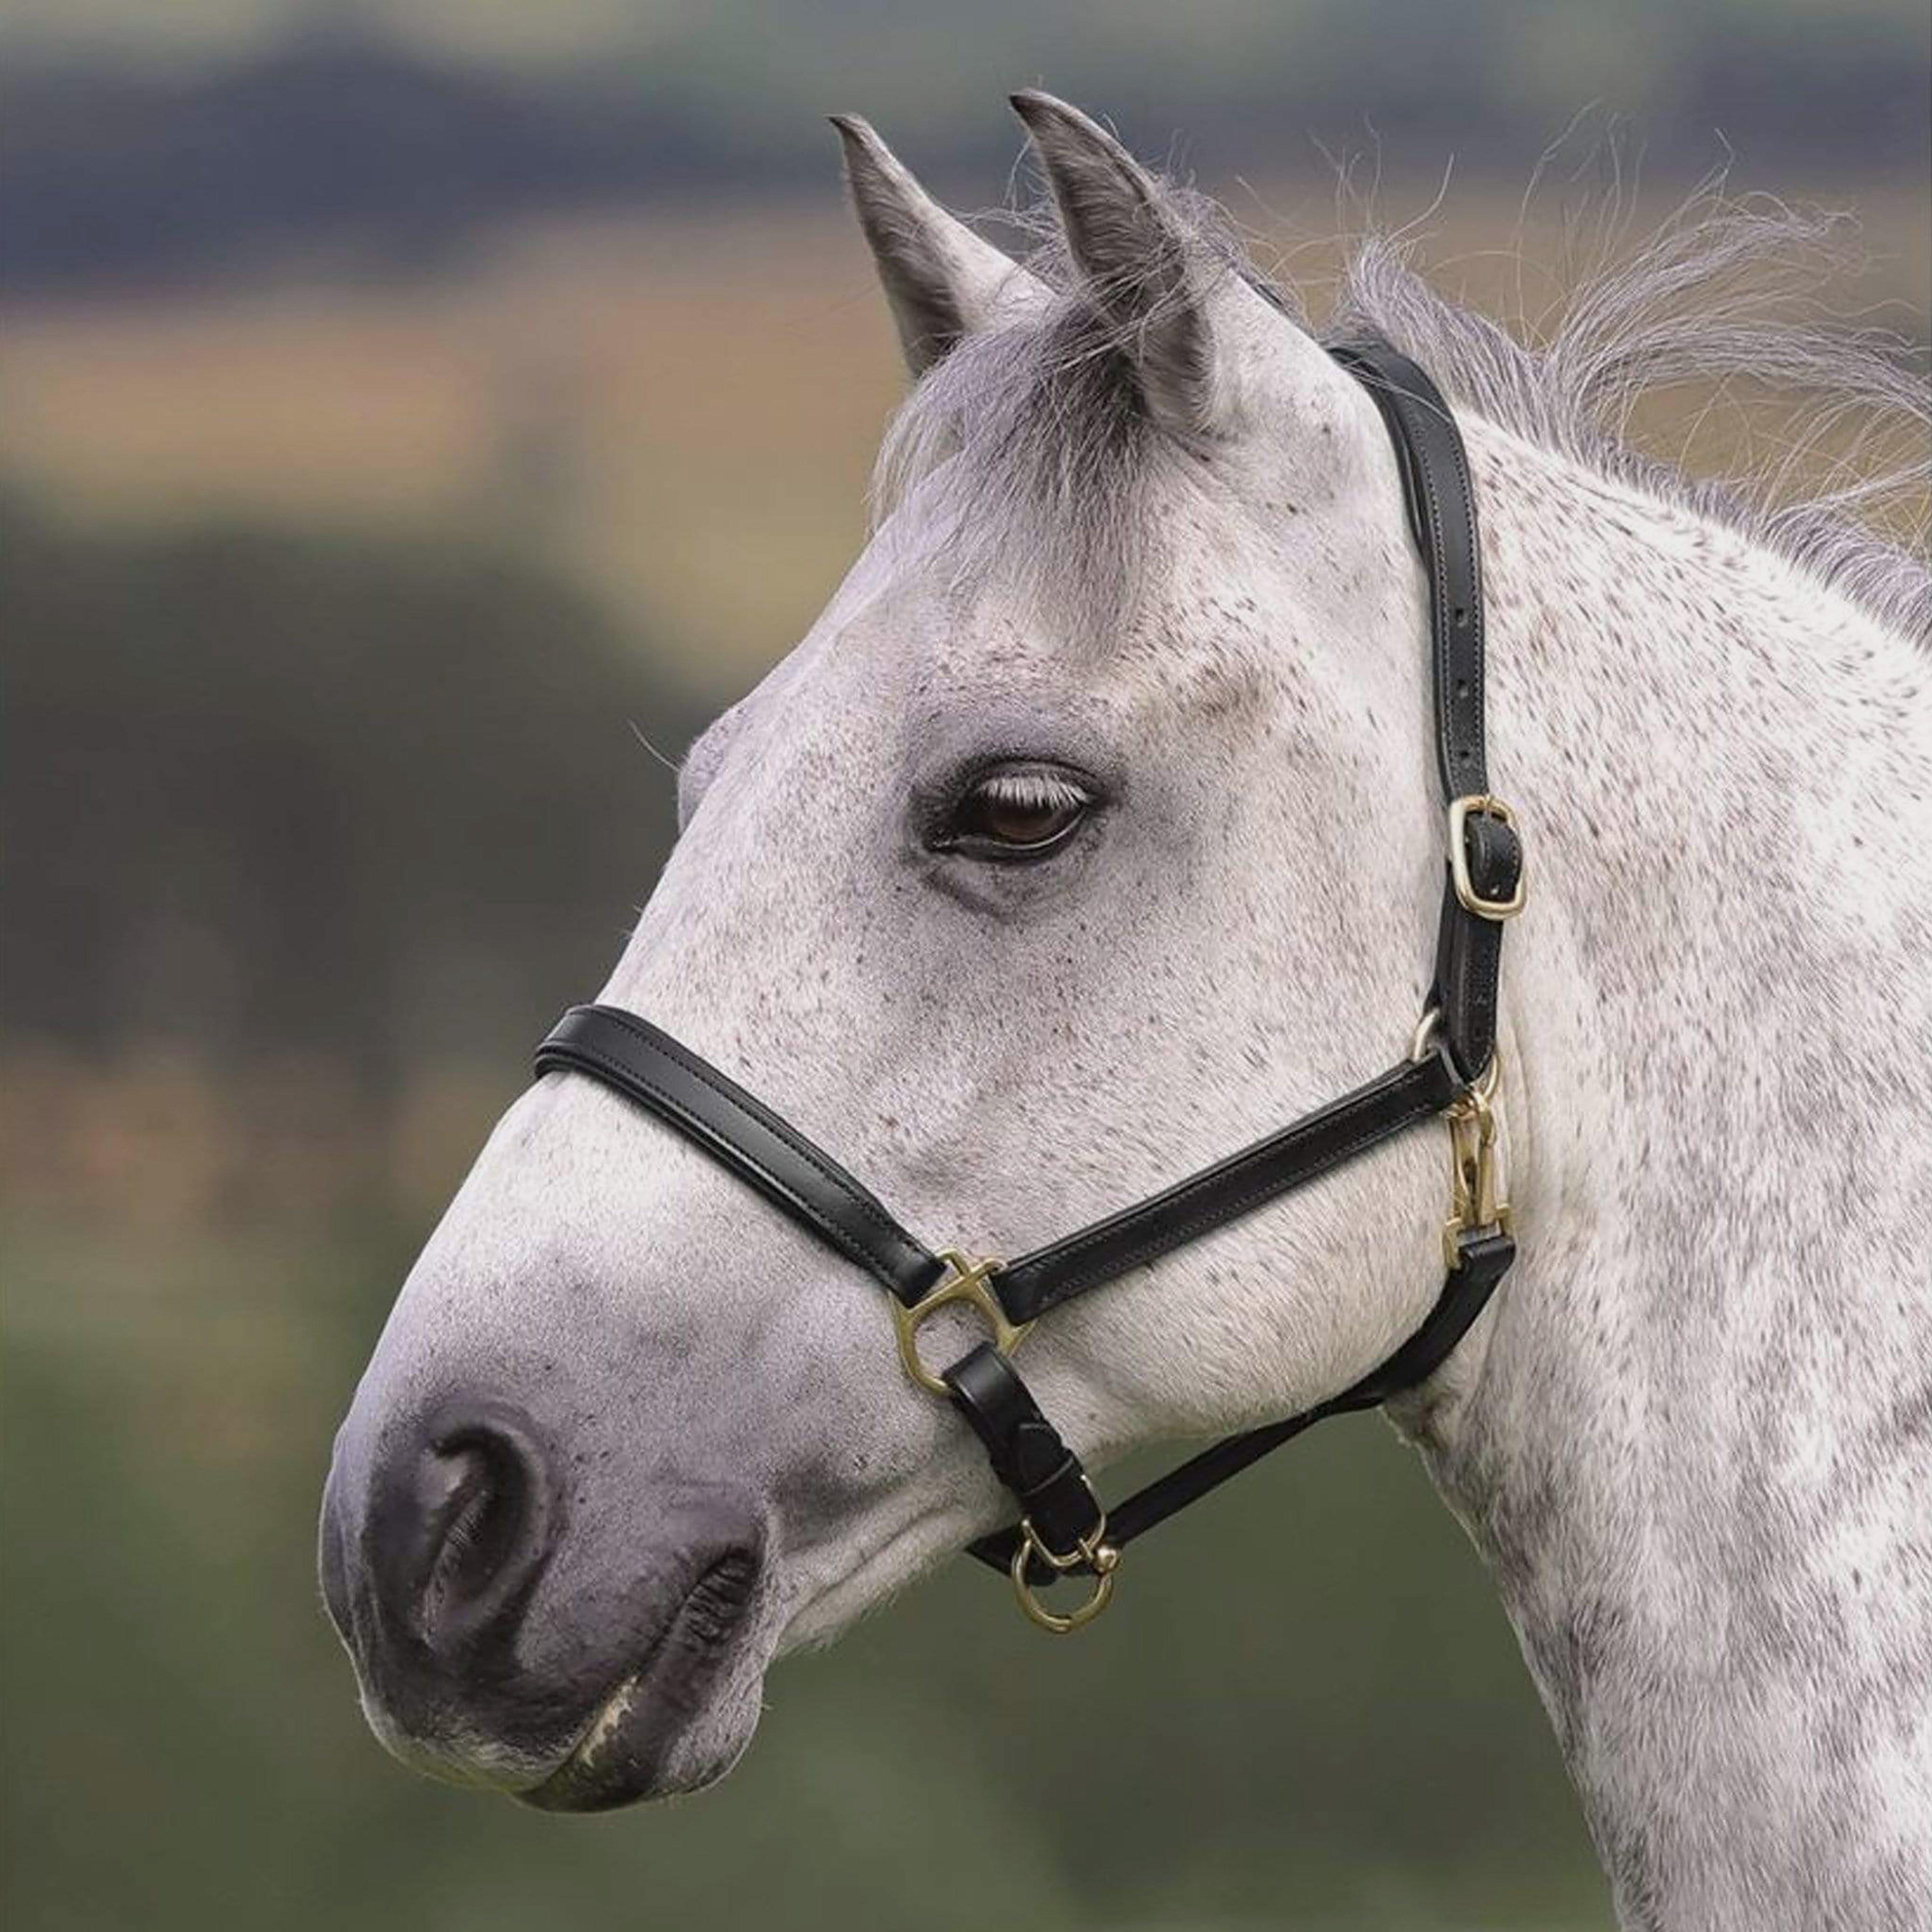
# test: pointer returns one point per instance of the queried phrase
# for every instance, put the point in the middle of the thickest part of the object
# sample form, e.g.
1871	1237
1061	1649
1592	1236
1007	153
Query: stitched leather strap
1469	948
1441	509
1441	506
1414	1091
1027	1454
666	1078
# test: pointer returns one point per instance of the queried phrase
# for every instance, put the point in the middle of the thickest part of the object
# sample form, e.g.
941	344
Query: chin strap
1450	1074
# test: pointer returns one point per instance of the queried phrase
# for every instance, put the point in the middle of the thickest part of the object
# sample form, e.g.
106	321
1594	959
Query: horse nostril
461	1528
475	1497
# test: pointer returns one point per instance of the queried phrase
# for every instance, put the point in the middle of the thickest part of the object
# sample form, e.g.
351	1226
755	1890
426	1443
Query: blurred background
417	418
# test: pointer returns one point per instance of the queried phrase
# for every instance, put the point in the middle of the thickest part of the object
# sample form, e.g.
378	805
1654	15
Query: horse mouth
625	1752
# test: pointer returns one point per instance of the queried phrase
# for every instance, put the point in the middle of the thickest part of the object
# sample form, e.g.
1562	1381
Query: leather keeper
1026	1451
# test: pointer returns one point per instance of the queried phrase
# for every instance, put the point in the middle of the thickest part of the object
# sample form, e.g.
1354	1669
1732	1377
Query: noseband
1449	1073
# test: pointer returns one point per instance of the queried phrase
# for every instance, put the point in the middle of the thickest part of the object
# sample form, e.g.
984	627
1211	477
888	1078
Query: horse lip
619	1758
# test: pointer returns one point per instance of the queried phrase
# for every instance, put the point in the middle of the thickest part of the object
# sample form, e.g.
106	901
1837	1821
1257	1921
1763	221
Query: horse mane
1722	297
1716	297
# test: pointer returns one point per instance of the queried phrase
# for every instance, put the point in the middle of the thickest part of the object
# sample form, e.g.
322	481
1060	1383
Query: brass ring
1104	1557
1482	1088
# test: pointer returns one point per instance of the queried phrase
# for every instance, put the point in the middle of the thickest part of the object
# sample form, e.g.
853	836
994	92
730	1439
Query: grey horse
1090	834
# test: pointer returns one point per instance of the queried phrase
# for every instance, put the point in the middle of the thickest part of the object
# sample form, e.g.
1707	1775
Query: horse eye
1019	812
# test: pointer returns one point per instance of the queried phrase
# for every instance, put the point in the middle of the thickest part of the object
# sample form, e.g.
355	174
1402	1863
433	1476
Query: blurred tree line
273	791
299	829
342	131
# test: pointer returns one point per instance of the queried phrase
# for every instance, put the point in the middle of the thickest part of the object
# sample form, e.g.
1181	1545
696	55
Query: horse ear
941	281
1145	269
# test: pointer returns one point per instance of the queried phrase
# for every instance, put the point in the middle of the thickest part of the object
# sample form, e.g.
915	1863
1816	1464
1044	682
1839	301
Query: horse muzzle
499	1640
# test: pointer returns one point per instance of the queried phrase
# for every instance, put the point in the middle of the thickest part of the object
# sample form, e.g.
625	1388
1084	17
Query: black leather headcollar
1062	1526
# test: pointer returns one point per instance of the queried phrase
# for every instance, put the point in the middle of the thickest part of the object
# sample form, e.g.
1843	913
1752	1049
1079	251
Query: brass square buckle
1489	806
967	1283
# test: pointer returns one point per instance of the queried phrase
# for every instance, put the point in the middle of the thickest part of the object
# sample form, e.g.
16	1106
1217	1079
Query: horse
1088	833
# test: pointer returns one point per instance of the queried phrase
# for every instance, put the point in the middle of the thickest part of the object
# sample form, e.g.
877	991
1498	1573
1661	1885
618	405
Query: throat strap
1485	1260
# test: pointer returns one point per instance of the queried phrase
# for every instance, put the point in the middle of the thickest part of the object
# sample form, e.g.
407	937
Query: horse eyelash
1032	790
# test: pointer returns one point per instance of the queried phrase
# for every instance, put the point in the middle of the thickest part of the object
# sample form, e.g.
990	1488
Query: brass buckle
1092	1549
1475	1193
967	1283
1470	900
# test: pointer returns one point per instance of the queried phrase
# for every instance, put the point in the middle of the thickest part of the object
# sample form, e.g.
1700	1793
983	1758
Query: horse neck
1690	1440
